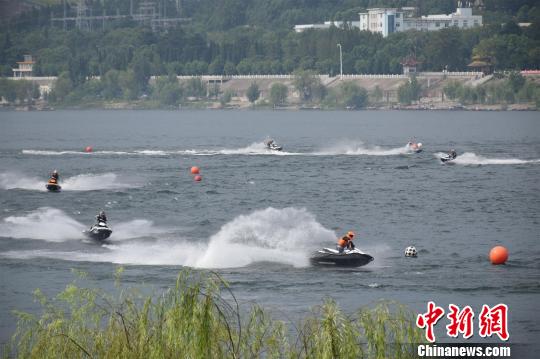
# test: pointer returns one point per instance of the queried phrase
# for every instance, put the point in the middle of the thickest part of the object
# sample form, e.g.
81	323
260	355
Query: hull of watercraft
98	233
331	257
53	187
447	160
277	148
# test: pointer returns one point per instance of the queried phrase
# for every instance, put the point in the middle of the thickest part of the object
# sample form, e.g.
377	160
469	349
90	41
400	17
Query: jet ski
53	187
415	147
271	145
349	258
98	232
449	157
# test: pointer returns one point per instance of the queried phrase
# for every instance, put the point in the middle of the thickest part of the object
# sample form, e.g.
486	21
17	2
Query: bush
309	86
377	94
253	92
195	87
193	320
353	95
452	89
409	91
278	94
226	97
167	90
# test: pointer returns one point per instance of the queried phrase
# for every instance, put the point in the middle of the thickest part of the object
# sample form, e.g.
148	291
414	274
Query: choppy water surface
257	215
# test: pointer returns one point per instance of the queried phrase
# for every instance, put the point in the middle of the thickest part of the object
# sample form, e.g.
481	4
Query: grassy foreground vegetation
200	318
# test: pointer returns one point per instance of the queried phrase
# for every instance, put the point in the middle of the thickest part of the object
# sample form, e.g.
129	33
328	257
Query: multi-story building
387	21
26	67
390	20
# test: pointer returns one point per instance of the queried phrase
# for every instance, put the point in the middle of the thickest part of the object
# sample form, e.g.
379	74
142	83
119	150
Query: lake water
256	216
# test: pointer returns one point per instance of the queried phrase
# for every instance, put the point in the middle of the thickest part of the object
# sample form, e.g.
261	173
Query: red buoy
498	255
195	170
88	149
197	178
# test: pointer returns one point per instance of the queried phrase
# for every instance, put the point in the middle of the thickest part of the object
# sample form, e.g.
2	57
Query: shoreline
139	107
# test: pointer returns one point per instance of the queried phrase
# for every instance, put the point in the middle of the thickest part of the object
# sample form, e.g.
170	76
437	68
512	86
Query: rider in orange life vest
54	177
345	242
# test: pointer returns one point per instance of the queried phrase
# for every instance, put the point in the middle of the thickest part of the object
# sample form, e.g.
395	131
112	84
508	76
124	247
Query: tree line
124	56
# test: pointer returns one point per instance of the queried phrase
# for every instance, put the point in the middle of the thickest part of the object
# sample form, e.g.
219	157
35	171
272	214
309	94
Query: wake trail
472	159
53	225
286	236
358	148
82	182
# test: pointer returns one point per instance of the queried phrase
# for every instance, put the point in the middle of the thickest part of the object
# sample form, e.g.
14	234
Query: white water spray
356	148
48	224
472	159
82	182
285	236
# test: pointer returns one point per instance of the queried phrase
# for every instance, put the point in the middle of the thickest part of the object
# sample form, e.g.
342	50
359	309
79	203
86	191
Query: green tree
111	85
35	91
307	83
229	69
215	67
63	86
244	67
167	90
353	96
516	80
452	89
226	97
127	81
377	94
278	94
145	63
253	92
195	87
409	91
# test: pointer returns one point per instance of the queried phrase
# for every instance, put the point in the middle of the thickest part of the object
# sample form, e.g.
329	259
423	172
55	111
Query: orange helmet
350	234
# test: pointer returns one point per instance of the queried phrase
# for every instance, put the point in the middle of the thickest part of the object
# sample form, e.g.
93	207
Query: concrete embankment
432	84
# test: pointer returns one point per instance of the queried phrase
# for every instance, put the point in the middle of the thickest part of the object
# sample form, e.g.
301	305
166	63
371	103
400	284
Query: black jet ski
271	145
349	258
98	232
449	157
53	187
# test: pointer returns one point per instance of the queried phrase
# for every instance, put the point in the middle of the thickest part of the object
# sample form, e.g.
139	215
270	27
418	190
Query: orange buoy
88	149
197	178
498	255
195	170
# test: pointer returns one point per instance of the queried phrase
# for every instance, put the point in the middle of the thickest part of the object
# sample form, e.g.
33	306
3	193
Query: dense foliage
512	89
253	37
199	317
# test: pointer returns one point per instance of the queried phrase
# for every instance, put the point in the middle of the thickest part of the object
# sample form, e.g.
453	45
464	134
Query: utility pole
340	62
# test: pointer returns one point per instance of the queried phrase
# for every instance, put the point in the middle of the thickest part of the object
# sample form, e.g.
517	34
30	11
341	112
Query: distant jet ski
415	147
98	232
52	184
449	157
53	187
349	258
271	145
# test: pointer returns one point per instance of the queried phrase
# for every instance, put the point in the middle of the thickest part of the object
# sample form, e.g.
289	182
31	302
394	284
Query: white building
390	20
326	25
387	21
